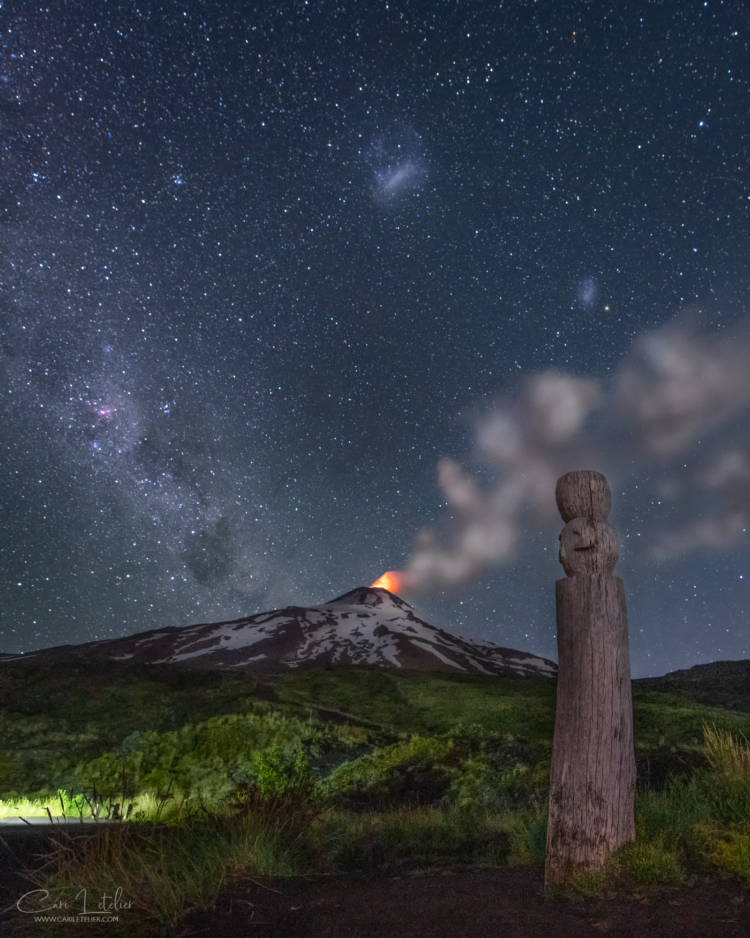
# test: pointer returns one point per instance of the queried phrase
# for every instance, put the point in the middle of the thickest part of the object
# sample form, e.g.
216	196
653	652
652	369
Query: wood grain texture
592	784
588	545
582	494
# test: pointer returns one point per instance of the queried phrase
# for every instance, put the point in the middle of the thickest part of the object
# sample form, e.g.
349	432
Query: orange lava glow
389	581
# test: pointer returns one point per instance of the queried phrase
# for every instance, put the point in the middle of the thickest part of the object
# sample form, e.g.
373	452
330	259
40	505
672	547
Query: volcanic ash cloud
676	387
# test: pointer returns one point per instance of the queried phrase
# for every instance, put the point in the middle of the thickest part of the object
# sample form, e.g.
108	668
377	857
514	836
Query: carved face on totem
589	545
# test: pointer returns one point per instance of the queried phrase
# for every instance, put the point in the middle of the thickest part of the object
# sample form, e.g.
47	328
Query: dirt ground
508	903
502	903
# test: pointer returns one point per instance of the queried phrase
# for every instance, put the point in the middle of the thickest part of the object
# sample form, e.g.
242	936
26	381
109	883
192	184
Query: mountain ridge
366	626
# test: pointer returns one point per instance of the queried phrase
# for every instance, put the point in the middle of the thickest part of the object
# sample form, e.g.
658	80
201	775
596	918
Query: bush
413	771
199	766
651	862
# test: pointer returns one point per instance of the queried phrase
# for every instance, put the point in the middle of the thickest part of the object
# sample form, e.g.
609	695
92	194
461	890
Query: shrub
729	850
416	770
280	772
650	862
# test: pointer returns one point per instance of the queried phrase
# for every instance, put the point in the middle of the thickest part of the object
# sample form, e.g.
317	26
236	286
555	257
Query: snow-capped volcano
367	626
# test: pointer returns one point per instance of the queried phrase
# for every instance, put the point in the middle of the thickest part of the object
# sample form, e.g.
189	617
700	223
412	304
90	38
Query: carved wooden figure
592	783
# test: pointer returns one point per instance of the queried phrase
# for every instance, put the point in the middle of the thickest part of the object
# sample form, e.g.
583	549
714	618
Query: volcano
367	626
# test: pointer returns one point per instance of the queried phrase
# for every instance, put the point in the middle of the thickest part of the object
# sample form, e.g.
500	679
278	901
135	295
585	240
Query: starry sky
294	294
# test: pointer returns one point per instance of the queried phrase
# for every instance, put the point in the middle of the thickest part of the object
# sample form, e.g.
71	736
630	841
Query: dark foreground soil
508	903
503	903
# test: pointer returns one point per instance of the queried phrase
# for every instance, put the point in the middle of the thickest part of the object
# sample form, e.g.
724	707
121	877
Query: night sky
294	294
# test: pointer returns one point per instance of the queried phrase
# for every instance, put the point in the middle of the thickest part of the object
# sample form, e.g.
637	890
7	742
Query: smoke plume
673	412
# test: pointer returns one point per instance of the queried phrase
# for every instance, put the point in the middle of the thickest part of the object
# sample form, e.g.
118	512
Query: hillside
363	627
57	718
718	684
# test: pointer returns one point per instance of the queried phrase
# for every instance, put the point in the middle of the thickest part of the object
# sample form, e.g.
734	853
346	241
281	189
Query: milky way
273	278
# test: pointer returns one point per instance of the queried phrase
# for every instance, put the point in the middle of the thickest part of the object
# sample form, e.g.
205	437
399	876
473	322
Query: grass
167	870
25	807
696	822
54	719
62	805
162	872
426	838
727	756
50	717
336	770
174	868
701	821
426	703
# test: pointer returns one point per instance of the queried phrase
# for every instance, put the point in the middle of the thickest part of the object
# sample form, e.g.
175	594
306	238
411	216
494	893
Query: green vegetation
696	821
171	869
424	702
327	770
53	716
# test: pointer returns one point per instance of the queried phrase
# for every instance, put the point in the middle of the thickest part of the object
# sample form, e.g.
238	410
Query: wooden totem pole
592	783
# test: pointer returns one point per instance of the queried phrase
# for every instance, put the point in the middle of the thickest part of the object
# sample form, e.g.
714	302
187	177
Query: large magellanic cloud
676	410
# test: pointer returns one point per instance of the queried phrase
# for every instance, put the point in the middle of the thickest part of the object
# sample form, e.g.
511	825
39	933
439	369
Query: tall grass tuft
727	756
527	835
167	870
694	820
725	833
650	862
704	817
